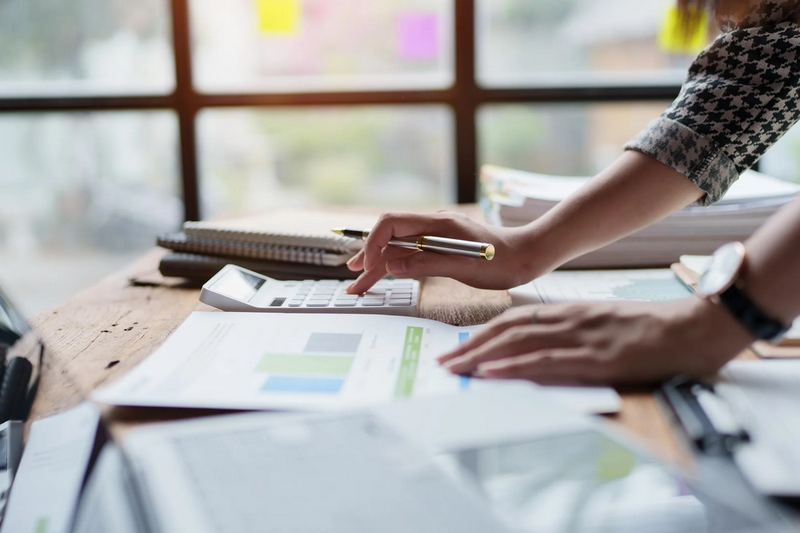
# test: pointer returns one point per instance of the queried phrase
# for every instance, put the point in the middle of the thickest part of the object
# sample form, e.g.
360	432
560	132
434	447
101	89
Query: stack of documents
515	198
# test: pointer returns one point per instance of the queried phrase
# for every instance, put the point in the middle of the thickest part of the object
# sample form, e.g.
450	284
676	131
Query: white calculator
236	289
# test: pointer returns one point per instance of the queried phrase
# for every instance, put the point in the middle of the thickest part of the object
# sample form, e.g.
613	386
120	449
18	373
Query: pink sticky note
418	36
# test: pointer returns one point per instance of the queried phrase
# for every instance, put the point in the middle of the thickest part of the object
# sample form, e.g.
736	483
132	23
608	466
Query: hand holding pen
464	249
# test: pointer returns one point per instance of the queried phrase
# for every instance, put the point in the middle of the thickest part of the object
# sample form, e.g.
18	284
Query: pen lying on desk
425	243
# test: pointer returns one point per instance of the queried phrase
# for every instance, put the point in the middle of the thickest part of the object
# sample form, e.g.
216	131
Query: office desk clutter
375	435
515	198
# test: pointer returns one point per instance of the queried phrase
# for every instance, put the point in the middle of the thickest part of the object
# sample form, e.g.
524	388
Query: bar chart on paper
654	285
309	363
321	368
248	361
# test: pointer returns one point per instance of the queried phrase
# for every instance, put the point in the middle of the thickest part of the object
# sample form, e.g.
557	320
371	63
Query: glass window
520	42
256	159
321	45
81	194
560	139
80	47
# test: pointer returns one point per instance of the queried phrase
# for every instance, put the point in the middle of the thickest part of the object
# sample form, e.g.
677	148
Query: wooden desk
103	332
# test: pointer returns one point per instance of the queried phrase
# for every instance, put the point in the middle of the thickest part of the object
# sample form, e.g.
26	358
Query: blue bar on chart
303	385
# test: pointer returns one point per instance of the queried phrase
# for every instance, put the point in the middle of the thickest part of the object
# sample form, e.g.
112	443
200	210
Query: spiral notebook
299	236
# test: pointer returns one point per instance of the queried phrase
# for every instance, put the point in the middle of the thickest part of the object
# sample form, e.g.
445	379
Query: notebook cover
180	242
299	228
202	268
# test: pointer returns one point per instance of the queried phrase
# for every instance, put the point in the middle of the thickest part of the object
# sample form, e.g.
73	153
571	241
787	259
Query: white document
479	418
306	362
108	503
650	285
764	398
332	473
47	487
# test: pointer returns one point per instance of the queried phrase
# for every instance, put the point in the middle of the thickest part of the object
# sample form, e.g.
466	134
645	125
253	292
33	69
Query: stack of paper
515	198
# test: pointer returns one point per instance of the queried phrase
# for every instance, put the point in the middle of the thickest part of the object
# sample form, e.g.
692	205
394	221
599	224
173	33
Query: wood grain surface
100	334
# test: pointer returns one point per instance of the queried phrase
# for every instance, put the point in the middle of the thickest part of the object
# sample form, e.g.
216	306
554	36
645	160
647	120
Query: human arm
632	193
740	96
624	342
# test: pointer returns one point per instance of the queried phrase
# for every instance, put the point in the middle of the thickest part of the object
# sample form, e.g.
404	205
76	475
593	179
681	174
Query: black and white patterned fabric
741	95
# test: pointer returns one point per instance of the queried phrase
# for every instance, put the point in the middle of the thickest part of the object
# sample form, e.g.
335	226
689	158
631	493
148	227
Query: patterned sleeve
740	97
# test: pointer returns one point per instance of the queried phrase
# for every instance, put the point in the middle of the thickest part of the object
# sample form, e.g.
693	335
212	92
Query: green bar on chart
408	365
306	364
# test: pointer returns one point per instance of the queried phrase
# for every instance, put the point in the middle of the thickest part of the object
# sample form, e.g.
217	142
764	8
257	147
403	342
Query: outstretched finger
548	366
518	316
370	277
513	342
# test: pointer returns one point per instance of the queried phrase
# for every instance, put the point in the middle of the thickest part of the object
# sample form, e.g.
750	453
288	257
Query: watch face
723	269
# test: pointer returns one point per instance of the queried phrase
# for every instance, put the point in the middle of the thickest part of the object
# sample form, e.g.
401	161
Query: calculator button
344	303
401	291
295	303
371	304
399	303
318	303
372	292
348	297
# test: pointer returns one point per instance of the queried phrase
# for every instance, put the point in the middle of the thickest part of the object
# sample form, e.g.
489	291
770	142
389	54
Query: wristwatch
721	283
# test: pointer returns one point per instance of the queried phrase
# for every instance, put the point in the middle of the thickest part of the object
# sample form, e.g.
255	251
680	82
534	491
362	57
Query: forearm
773	265
634	192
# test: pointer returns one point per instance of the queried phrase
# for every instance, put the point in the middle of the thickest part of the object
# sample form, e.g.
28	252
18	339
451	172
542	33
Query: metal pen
425	243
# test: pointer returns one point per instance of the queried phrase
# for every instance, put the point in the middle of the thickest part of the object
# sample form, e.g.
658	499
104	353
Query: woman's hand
508	269
602	343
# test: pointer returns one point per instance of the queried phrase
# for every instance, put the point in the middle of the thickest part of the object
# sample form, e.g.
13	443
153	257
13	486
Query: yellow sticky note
613	461
278	16
674	38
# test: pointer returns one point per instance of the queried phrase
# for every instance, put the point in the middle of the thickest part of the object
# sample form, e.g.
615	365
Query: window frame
464	99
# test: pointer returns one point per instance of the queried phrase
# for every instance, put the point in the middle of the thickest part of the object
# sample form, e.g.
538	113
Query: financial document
650	285
307	362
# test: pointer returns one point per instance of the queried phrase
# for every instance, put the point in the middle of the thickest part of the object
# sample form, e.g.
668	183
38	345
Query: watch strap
750	316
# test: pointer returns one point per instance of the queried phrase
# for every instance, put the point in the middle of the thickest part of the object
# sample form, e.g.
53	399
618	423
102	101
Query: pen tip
338	231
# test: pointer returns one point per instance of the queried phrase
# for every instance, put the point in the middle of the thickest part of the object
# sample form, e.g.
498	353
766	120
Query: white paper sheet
45	492
305	362
651	285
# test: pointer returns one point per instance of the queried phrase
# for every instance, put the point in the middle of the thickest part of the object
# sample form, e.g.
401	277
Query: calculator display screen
238	285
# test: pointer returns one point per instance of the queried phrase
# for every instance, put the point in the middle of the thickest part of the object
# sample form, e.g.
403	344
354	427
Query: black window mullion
186	105
467	100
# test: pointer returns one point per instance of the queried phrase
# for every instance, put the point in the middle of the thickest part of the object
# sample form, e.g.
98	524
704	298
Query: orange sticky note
675	39
278	16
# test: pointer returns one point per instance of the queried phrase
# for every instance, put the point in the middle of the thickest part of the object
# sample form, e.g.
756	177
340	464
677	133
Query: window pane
560	139
66	47
257	159
520	42
80	195
783	159
313	45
